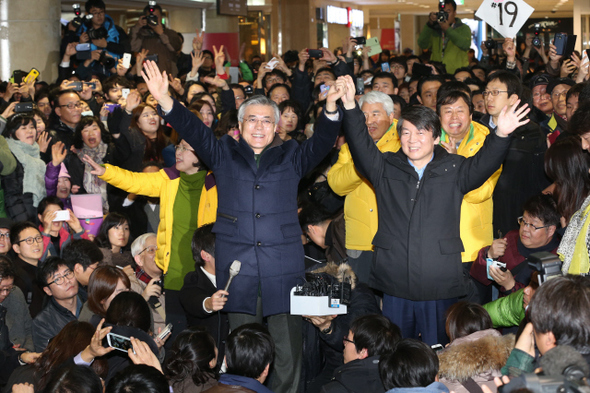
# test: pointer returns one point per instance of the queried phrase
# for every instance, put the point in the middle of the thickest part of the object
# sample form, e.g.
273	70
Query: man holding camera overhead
150	34
99	30
447	37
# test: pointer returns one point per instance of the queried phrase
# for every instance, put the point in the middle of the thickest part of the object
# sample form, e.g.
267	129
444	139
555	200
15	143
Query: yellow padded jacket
360	205
477	208
164	184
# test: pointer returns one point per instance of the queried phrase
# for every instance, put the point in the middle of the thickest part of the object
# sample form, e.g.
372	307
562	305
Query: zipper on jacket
417	190
232	218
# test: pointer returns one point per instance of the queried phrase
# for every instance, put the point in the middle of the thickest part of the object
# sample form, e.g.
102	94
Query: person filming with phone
447	37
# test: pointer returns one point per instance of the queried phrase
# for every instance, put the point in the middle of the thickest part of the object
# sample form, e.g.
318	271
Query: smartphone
125	93
126	60
360	40
111	107
167	330
419	69
76	86
91	84
385	67
324	89
17	77
82	47
569	46
272	63
315	53
153	58
62	215
560	42
118	342
32	75
360	86
249	90
23	107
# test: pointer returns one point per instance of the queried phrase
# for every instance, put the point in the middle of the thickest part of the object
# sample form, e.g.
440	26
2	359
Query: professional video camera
442	15
537	42
107	61
152	19
78	20
323	284
97	34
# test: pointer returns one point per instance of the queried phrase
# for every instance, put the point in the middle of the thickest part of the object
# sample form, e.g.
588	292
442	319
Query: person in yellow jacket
360	205
168	184
462	136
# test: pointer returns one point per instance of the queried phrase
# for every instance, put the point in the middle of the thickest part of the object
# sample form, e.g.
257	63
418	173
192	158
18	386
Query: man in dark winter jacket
370	336
59	283
419	189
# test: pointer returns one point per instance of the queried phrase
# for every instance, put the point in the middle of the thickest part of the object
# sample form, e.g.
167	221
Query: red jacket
65	237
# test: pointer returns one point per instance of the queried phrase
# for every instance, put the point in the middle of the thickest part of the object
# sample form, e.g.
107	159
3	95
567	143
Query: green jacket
506	311
458	43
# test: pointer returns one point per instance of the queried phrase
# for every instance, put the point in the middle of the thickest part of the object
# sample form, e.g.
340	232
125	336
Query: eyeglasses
43	104
7	289
60	280
557	95
522	222
181	149
73	105
536	96
95	14
5	235
150	250
252	122
31	240
494	93
346	340
274	80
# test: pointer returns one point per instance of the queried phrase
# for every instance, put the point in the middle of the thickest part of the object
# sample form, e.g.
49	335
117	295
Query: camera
323	284
442	15
537	43
490	44
97	34
107	61
360	40
78	20
152	19
548	265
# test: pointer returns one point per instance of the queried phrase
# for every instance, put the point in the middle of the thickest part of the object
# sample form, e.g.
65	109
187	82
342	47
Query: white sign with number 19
505	16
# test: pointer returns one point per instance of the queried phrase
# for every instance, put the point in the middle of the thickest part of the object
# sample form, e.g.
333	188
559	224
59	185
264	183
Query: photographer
447	37
100	31
150	34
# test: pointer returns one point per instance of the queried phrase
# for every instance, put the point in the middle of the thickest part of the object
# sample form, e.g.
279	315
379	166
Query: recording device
83	47
111	107
323	284
91	84
564	44
125	93
314	53
324	89
490	44
419	69
360	40
78	19
167	330
442	15
97	34
17	77
153	58
83	51
119	342
272	63
385	67
107	61
76	86
360	86
153	301
61	215
126	60
537	42
548	265
564	371
152	19
234	269
32	75
249	90
22	107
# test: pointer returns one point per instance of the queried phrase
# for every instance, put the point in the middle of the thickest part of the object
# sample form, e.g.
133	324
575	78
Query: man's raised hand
511	118
157	84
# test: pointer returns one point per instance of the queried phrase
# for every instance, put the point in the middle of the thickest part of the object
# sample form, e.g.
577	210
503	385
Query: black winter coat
357	376
417	244
19	206
257	219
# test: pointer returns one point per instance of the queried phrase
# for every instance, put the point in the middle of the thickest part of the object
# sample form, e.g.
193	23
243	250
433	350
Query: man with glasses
68	111
59	283
113	38
369	337
257	222
27	243
536	233
523	173
147	277
557	122
5	245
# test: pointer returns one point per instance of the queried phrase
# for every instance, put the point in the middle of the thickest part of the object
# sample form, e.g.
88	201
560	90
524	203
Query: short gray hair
259	100
139	244
377	97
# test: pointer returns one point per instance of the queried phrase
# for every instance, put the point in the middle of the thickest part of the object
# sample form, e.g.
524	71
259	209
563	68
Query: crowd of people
427	188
